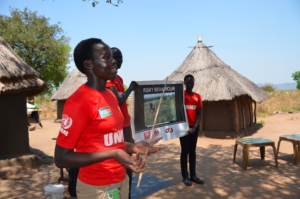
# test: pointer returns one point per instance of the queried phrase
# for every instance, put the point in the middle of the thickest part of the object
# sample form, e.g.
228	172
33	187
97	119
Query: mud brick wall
60	108
245	113
14	140
218	116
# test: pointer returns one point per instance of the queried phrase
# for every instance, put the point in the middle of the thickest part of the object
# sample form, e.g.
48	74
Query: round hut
71	83
229	99
17	81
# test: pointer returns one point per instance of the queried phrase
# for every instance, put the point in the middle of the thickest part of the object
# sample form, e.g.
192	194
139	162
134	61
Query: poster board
171	121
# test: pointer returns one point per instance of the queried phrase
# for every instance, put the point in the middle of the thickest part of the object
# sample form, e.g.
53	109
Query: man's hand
133	85
141	147
191	130
134	163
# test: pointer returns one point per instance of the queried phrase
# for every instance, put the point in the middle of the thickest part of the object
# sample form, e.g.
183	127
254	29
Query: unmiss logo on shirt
104	112
66	121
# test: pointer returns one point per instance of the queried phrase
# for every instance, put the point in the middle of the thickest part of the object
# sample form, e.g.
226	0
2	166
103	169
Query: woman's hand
134	163
141	147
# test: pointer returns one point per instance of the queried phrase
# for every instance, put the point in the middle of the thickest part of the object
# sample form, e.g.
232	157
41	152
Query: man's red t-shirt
118	83
192	103
92	121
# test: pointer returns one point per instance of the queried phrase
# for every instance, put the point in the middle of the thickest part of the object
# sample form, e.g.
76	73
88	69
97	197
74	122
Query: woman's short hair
84	51
188	76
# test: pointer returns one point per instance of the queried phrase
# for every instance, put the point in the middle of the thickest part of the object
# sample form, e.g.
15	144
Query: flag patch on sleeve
104	112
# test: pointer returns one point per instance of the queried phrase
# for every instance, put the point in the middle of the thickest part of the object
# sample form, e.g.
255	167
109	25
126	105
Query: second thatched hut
229	99
71	83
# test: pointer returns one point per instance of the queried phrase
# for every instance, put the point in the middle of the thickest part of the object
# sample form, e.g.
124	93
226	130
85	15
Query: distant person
152	107
194	111
35	114
91	135
117	87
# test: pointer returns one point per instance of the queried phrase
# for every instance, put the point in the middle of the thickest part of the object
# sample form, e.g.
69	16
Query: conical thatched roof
215	80
15	75
72	82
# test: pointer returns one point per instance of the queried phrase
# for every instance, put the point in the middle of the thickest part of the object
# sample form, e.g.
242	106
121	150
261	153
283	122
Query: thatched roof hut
227	95
15	75
71	83
17	81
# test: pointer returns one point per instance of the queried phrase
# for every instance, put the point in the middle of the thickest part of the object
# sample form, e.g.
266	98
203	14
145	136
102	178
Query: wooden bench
254	142
295	140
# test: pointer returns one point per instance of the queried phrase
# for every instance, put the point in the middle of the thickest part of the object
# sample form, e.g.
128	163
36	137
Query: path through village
223	178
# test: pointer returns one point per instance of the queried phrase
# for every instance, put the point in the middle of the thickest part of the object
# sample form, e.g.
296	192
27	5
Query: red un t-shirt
118	83
192	103
92	121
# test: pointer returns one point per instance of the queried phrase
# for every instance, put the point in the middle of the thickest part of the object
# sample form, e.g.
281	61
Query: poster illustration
171	121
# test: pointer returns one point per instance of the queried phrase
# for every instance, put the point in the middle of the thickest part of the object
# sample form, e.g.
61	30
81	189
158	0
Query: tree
94	3
41	45
268	87
296	76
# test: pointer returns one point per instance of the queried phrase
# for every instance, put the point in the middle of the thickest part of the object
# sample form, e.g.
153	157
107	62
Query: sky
258	39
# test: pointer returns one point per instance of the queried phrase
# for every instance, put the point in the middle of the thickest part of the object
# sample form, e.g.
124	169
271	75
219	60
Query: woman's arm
66	158
123	97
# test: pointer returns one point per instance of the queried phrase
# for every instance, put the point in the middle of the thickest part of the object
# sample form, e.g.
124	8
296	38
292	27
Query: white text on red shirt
113	138
193	107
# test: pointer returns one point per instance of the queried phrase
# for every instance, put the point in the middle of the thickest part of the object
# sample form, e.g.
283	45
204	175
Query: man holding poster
194	111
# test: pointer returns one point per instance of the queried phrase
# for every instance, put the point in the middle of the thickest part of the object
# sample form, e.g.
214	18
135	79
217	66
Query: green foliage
268	87
37	100
263	114
296	76
167	111
41	45
261	122
125	87
94	3
284	91
47	99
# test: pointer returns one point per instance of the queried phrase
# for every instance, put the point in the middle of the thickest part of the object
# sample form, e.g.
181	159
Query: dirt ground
223	178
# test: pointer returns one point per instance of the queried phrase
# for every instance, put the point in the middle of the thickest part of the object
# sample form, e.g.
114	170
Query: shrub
125	87
268	87
261	122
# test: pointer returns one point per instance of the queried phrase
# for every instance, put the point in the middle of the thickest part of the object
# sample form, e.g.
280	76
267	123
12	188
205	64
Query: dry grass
47	107
279	101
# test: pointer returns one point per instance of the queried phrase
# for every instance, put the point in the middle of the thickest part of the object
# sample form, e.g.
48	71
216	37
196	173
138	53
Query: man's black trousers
188	148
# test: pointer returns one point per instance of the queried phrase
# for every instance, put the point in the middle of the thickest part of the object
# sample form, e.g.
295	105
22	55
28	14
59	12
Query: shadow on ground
46	159
225	179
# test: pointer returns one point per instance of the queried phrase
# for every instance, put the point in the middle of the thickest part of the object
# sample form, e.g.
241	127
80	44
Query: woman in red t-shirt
92	124
194	111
